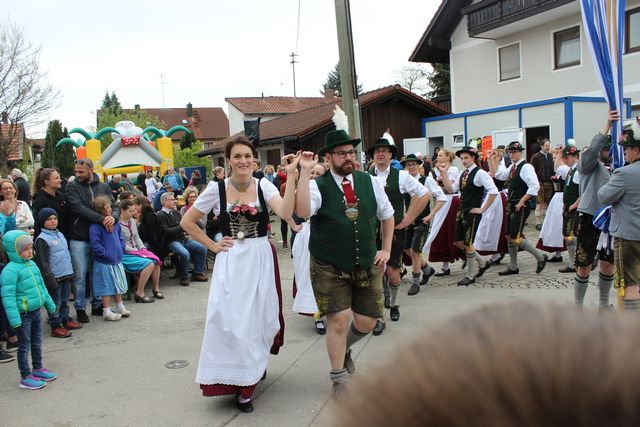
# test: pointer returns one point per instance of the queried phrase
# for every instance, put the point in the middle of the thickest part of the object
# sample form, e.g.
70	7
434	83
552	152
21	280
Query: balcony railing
490	14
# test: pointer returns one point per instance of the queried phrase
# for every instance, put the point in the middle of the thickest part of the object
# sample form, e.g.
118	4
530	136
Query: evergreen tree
65	157
116	108
106	102
54	134
335	83
439	81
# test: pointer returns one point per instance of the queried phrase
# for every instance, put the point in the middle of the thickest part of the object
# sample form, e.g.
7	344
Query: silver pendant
240	235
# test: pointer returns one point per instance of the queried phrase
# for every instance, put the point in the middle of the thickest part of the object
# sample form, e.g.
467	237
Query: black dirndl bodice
243	221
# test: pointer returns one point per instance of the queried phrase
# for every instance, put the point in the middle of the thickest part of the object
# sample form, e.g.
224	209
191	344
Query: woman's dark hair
239	140
41	175
125	204
515	364
195	174
124	195
100	203
142	201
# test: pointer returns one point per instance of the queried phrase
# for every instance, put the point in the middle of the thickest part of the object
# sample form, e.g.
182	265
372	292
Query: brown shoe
199	278
185	281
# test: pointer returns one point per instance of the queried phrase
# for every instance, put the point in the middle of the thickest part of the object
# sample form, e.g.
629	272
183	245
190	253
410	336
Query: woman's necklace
241	187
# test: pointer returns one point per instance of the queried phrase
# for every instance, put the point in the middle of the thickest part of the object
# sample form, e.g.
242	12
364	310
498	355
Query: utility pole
293	63
350	101
162	83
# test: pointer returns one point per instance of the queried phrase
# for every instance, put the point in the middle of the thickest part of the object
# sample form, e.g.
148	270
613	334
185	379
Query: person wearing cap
594	174
523	185
622	192
345	267
54	261
79	193
417	232
474	182
396	183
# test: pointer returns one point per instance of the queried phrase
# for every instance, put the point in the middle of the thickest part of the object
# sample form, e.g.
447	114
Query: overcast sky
207	50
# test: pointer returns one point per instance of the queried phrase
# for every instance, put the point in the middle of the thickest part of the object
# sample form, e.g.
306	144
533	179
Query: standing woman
151	185
12	208
439	246
48	194
244	320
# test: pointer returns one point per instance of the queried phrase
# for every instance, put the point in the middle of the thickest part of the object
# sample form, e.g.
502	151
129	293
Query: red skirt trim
209	390
542	247
442	247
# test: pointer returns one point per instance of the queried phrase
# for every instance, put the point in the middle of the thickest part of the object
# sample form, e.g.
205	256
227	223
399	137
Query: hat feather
340	119
635	128
571	142
388	137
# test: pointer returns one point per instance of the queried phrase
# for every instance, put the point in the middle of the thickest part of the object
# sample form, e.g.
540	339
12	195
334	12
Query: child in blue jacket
23	295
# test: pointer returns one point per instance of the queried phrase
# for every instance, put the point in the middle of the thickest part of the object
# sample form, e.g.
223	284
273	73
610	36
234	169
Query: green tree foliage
335	83
187	140
65	158
141	118
111	103
439	81
62	157
185	158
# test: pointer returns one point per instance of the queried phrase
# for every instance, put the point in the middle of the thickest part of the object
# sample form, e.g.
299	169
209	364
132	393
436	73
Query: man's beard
345	169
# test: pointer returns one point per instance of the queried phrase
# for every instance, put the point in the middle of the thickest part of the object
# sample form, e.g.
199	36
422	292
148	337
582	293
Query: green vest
392	188
335	239
571	189
470	194
517	187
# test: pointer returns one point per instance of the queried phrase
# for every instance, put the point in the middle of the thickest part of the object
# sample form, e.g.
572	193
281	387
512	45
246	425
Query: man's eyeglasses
342	154
87	162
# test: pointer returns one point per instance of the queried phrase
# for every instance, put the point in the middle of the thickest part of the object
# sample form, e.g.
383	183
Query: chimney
329	94
5	118
189	110
136	108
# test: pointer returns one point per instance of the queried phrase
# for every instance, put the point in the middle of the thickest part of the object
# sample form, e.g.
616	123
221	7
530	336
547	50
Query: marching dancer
523	185
396	183
473	184
244	320
346	268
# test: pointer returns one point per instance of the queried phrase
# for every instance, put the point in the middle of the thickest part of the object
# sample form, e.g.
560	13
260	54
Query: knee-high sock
415	278
557	254
631	304
393	291
354	335
471	265
533	251
580	289
571	251
482	262
445	265
604	284
495	256
513	255
340	376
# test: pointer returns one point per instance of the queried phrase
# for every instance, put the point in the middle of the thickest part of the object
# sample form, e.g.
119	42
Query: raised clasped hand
290	162
308	160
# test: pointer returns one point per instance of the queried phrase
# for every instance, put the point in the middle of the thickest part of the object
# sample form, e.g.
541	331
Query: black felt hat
515	146
468	149
336	138
410	158
382	143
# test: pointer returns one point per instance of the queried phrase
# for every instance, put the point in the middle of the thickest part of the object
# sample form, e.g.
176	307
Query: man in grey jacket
593	175
622	192
79	194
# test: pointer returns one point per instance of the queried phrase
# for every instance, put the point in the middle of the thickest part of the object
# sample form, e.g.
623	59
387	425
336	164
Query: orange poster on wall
487	145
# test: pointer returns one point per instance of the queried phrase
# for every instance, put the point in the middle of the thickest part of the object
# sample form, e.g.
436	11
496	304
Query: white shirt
563	172
482	179
405	182
454	176
384	210
432	187
209	199
527	174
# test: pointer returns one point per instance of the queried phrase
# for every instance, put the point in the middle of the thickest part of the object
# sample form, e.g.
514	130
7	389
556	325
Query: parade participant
542	162
570	200
439	246
396	183
346	268
474	181
523	185
244	320
623	194
417	232
593	176
304	301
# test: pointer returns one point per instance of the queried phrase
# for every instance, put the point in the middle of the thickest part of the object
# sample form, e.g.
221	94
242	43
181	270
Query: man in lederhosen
396	183
523	185
417	232
622	192
473	183
570	200
345	267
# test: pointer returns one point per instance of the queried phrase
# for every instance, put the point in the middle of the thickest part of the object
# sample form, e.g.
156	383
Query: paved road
114	373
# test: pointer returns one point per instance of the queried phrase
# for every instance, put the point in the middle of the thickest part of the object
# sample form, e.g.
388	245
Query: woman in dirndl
244	321
490	237
551	237
439	245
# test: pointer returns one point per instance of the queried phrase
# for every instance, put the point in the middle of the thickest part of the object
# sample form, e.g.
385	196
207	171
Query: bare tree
413	78
24	95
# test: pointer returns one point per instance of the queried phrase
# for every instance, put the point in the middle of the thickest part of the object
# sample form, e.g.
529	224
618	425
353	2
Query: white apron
305	301
551	232
490	227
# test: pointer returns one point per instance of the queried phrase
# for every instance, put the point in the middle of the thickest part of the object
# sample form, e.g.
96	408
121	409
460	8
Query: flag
604	27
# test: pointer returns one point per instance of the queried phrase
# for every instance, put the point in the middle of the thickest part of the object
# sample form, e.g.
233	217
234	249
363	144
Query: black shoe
245	407
12	346
567	269
6	357
427	275
538	227
348	363
395	313
542	264
403	272
442	273
96	311
498	261
481	270
321	328
509	272
555	259
466	281
414	289
380	326
82	316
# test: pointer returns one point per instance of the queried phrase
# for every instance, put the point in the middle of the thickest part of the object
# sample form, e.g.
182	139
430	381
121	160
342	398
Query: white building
521	64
